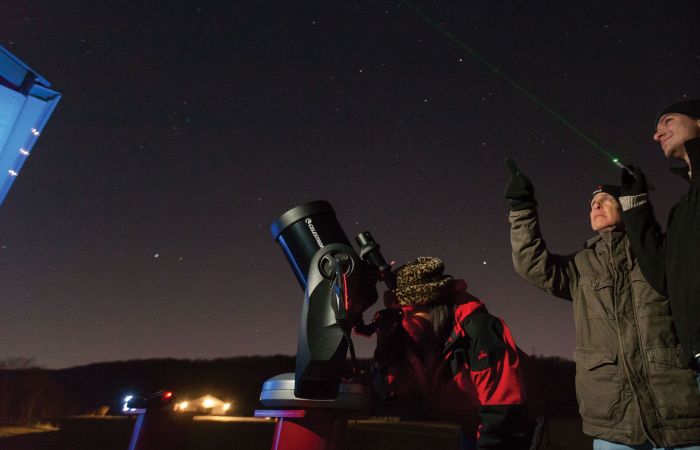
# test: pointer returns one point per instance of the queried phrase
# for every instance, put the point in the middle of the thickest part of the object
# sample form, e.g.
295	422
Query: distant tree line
30	393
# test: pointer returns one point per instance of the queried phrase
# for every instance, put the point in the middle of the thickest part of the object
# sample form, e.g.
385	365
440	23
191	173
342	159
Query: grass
251	434
15	430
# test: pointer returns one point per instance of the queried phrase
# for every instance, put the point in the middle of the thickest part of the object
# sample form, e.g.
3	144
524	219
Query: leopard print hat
421	282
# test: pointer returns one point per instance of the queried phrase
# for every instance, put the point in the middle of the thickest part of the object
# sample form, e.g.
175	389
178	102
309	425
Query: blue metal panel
10	105
14	71
24	112
11	72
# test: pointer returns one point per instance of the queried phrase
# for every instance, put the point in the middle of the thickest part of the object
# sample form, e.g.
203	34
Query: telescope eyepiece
369	252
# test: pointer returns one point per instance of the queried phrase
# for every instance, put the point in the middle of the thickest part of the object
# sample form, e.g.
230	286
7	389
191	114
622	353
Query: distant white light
183	405
24	152
227	406
208	403
12	173
125	408
484	262
35	132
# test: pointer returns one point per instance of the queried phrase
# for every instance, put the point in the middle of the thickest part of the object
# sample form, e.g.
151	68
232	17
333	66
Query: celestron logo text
312	228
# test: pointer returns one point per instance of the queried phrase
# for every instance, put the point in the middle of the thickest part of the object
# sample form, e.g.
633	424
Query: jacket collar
692	147
681	172
612	236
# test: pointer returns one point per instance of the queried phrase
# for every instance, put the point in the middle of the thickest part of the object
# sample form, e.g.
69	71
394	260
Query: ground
256	434
9	431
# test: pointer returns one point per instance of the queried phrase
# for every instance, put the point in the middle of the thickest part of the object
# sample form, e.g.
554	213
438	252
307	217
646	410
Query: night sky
139	227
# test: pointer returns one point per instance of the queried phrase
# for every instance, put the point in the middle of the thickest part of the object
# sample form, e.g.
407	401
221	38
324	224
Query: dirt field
256	434
9	431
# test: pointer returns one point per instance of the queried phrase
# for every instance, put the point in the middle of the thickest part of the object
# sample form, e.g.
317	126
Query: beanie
421	282
689	108
608	189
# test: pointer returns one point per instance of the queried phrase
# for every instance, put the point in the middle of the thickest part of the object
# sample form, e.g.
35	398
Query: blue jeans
599	444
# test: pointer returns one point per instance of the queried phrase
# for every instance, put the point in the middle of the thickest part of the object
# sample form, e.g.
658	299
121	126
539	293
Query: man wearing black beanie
671	261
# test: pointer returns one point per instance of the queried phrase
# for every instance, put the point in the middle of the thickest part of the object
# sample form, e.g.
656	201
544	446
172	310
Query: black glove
391	337
633	184
520	193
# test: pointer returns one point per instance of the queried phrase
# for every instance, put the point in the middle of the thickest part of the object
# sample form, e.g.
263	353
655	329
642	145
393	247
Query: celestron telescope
313	404
339	286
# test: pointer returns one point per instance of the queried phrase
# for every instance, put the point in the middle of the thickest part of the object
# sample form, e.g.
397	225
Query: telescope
339	285
312	406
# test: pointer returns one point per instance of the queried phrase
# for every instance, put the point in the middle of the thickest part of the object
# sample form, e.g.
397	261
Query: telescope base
311	424
300	429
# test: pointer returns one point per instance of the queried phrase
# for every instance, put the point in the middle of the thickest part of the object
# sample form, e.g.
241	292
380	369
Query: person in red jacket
446	358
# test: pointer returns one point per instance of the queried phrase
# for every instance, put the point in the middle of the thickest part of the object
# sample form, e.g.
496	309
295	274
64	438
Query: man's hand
633	184
520	193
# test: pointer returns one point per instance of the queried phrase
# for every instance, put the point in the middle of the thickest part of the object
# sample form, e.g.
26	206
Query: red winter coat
473	378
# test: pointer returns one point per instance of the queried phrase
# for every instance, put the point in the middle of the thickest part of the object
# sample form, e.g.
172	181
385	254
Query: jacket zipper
642	351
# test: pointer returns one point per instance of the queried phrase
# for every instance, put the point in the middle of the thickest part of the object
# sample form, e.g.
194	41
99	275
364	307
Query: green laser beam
508	79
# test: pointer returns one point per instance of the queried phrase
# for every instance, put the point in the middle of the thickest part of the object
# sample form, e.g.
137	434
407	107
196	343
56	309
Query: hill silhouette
29	394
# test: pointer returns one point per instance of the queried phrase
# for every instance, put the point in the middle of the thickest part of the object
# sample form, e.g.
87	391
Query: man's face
673	130
605	212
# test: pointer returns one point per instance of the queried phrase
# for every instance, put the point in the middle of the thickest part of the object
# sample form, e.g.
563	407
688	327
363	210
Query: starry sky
139	227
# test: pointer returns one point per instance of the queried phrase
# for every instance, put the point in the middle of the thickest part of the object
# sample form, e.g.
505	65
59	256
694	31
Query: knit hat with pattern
422	282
